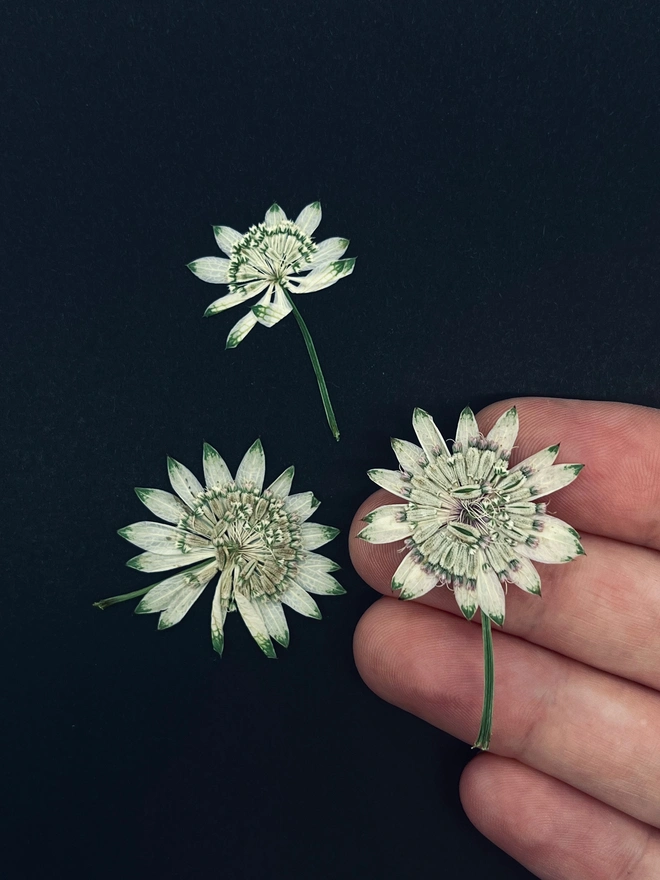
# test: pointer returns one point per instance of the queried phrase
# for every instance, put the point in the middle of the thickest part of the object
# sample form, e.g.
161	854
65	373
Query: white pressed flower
273	260
257	542
470	522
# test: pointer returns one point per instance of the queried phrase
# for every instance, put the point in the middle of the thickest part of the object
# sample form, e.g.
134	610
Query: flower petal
466	596
316	562
218	616
184	482
163	504
429	436
254	288
386	524
505	430
240	330
295	597
323	277
282	485
412	580
526	577
411	458
490	594
315	535
309	218
271	314
467	428
328	251
538	461
273	616
215	270
165	593
302	505
252	468
216	472
557	542
226	238
552	478
393	481
162	539
313	580
274	215
157	562
254	621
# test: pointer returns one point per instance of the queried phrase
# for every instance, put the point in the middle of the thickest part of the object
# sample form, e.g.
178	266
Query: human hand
571	786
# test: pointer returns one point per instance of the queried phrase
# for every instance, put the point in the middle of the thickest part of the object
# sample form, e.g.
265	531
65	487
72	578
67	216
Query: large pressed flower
273	260
470	522
257	542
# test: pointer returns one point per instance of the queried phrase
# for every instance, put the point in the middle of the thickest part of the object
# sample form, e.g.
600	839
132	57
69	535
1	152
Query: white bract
257	542
273	260
469	521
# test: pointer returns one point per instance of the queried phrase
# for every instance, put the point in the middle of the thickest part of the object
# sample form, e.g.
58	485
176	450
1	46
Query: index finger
617	495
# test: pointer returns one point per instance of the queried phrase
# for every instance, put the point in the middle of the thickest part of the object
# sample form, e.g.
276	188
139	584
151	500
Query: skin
571	785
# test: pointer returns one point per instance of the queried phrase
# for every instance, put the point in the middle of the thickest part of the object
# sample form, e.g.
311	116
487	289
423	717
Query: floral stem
114	600
323	388
483	738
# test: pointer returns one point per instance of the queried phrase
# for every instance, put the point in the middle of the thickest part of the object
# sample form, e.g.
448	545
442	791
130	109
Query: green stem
483	738
114	600
323	388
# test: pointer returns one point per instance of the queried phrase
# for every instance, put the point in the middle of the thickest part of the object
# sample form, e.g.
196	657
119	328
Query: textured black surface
495	167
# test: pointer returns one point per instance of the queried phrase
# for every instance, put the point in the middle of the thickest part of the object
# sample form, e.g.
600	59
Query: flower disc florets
470	522
272	254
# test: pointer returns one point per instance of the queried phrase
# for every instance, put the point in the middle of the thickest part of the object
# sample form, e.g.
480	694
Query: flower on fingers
276	257
256	543
469	521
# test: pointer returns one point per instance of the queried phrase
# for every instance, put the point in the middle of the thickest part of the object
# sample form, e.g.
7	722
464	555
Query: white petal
412	580
467	428
301	505
326	276
162	539
226	237
272	314
386	524
295	597
216	472
466	596
156	562
273	616
218	615
314	581
282	485
411	457
315	535
163	504
211	269
252	468
538	461
490	594
166	593
505	430
184	482
316	562
428	435
309	218
274	215
526	577
240	330
255	623
234	299
552	478
328	251
557	542
393	481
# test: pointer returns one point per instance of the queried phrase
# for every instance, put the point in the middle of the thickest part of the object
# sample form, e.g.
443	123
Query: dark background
495	166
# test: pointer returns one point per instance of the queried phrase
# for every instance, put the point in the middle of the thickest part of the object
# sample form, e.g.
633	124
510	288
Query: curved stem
483	738
323	388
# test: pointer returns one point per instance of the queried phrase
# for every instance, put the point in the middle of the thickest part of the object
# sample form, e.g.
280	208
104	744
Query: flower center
270	254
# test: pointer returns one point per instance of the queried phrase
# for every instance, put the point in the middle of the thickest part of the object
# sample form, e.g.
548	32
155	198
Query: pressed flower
256	542
273	260
472	523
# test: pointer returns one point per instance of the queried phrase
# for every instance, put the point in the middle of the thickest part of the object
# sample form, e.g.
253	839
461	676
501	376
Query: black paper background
495	167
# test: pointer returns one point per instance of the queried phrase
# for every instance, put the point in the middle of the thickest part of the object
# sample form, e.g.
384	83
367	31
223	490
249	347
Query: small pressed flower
471	523
273	260
256	542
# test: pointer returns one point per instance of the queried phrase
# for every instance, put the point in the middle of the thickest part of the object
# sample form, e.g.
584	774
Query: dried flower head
258	541
469	521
